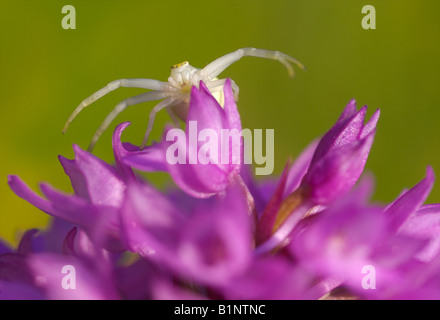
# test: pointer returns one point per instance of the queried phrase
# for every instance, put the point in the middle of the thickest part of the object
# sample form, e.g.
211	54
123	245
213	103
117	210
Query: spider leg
216	67
235	89
163	104
173	115
129	83
121	106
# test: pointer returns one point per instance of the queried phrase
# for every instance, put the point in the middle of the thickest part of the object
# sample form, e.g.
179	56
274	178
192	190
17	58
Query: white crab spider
176	91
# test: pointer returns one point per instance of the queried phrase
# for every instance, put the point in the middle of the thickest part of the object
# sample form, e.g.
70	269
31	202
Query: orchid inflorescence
310	233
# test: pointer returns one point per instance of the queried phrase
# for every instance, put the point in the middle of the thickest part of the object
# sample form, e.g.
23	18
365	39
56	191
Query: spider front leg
173	115
161	105
121	106
216	67
129	83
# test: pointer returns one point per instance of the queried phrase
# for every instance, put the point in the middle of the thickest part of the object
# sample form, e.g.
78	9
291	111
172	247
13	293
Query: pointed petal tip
46	189
66	163
12	178
117	135
227	89
122	126
63	160
203	86
203	91
363	111
349	110
81	154
76	148
196	92
21	189
371	124
375	117
430	175
194	89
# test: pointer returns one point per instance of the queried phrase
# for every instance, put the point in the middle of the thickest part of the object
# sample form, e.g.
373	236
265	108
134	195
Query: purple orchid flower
340	156
341	241
89	284
276	278
324	172
99	192
203	159
310	234
35	269
424	224
210	244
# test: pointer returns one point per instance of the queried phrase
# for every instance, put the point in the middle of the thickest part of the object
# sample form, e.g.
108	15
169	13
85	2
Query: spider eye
178	65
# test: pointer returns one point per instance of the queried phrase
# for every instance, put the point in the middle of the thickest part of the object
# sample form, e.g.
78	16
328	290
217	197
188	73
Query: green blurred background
46	71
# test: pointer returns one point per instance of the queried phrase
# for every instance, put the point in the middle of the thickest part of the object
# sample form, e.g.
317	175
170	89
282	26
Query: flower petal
215	244
93	179
150	159
410	201
425	224
23	191
337	172
49	270
120	152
